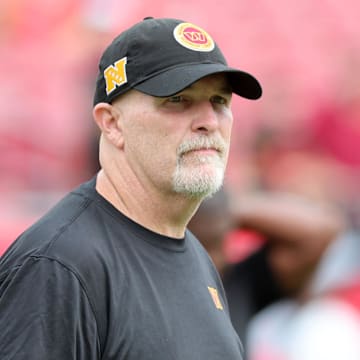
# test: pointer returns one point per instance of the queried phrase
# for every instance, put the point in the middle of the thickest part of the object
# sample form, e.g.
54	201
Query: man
111	272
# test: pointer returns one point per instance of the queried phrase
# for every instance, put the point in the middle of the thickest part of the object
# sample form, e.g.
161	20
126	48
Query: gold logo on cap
193	37
115	75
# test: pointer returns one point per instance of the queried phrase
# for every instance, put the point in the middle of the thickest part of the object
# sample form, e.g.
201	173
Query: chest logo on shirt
215	296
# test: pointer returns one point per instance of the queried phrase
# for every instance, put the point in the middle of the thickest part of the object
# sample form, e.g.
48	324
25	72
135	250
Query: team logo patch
215	296
193	37
115	75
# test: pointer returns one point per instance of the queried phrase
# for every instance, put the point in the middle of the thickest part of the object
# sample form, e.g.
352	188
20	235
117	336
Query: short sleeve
45	314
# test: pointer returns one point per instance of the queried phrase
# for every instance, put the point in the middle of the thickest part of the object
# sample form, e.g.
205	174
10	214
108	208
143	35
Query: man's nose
205	117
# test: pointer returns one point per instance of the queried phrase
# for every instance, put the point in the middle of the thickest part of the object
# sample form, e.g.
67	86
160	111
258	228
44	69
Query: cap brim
174	80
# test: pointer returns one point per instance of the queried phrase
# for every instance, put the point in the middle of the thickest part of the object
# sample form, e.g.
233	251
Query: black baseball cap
163	56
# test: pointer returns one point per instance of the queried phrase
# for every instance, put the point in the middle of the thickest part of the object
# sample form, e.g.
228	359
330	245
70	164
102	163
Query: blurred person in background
319	314
111	271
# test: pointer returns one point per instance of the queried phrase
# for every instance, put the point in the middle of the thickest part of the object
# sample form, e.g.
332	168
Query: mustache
203	142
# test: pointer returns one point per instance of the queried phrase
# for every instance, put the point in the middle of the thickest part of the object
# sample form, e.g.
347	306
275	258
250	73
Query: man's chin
199	183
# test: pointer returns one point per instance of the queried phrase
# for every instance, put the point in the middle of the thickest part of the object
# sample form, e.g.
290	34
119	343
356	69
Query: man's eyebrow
223	89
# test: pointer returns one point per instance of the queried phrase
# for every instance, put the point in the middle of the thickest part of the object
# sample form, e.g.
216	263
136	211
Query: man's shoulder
61	233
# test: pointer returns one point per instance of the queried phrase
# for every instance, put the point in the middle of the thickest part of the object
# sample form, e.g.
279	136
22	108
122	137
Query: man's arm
288	217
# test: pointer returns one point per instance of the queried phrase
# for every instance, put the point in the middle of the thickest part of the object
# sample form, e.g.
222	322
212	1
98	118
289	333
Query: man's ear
107	118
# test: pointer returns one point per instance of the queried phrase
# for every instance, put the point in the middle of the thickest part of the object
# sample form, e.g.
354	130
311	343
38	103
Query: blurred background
303	135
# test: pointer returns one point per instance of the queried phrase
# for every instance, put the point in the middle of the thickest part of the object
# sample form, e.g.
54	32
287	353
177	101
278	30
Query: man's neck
166	214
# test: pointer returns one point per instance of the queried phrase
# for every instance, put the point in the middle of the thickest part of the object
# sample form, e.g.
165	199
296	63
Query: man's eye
218	100
175	99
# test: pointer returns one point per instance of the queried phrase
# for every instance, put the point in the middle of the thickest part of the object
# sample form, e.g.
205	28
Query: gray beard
195	182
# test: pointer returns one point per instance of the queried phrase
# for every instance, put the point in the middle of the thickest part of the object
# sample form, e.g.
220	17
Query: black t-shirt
86	282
